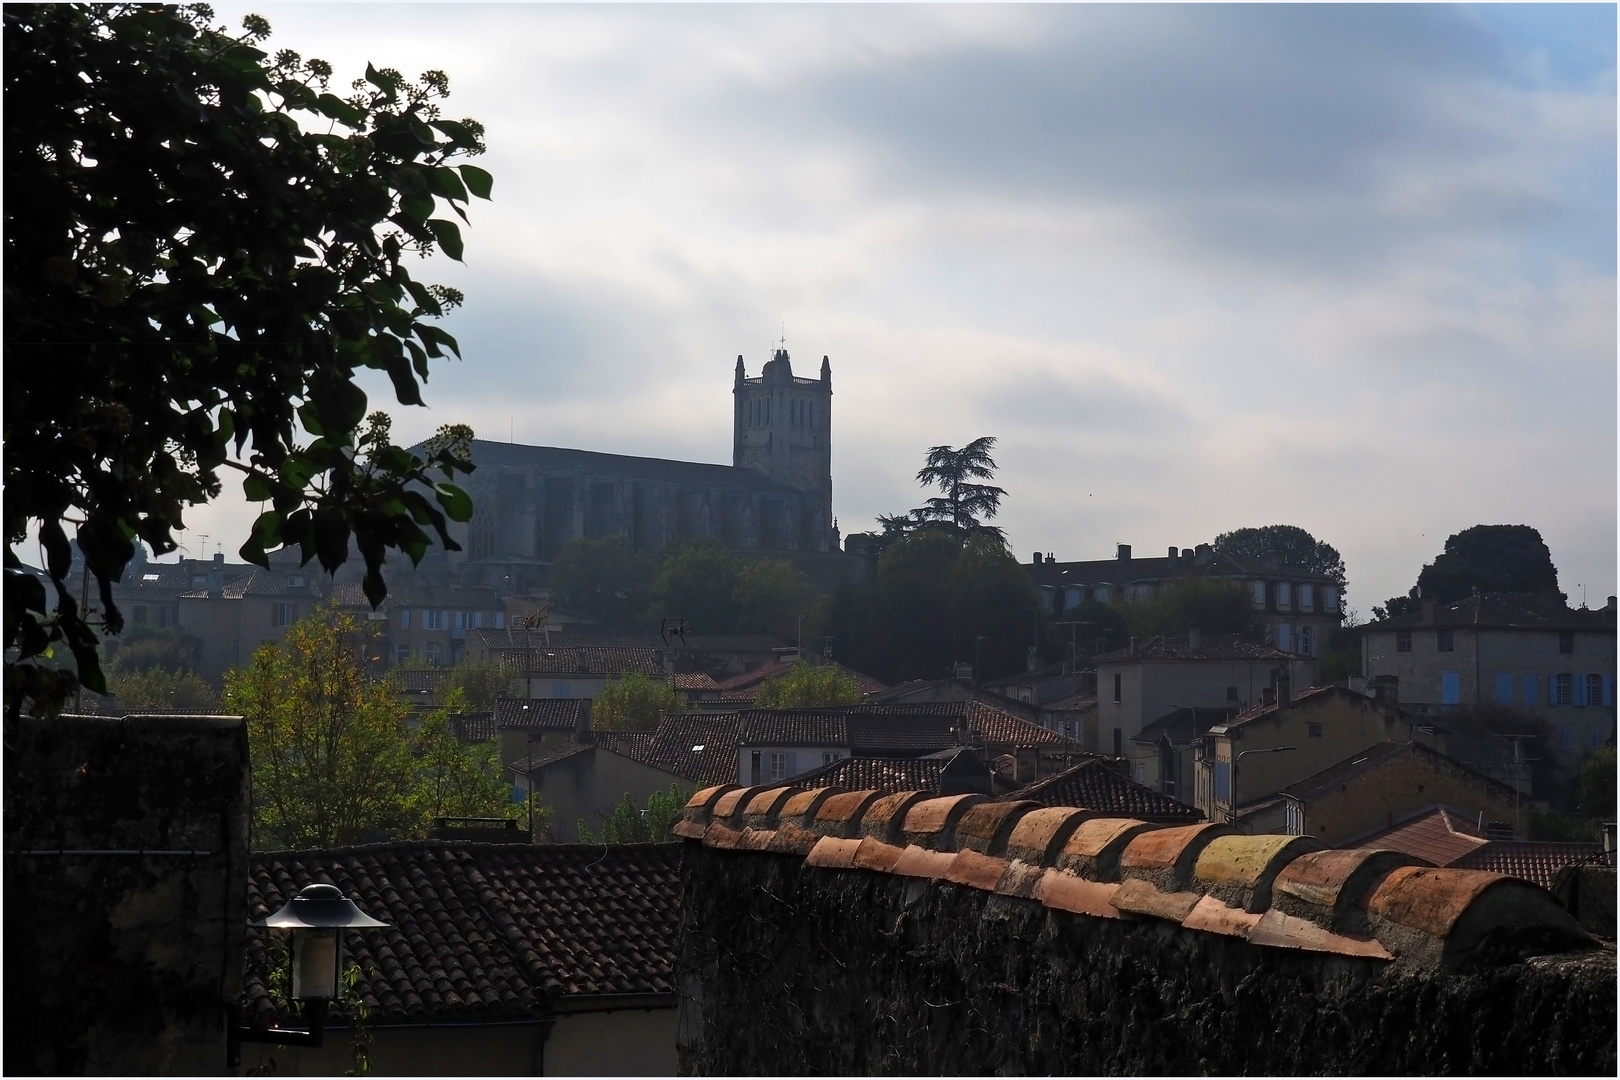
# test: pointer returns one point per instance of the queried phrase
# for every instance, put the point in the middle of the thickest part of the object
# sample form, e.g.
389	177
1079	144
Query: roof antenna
511	429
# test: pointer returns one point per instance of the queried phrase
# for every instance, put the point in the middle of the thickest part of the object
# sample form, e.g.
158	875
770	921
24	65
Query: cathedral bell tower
782	427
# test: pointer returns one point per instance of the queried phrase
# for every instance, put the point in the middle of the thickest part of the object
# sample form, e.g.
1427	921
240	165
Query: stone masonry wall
843	933
125	893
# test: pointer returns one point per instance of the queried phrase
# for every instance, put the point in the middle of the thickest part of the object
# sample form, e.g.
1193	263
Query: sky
1195	268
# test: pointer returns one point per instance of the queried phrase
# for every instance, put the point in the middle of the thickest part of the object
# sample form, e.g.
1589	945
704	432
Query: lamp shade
319	906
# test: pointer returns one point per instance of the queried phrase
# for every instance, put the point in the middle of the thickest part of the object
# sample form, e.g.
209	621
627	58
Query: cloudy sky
1196	268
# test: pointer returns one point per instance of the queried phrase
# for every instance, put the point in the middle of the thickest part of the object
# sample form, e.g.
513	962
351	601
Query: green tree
603	579
627	824
964	502
156	690
771	596
1595	786
1489	558
455	779
807	686
1211	607
1291	545
634	703
329	748
993	617
698	582
203	246
142	648
479	683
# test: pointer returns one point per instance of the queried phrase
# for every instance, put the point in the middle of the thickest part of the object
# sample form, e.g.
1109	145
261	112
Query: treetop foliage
1489	558
809	686
634	703
1289	543
203	244
964	506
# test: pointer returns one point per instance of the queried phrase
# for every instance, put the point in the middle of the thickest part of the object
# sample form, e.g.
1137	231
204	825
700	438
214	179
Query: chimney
1203	555
1186	553
1172	555
1427	608
1285	687
1386	690
1268	696
1050	558
1610	605
1134	643
1035	560
1194	639
1358	684
219	560
582	721
1124	553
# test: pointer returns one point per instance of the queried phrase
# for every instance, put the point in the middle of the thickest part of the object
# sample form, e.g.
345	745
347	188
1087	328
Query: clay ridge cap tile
1094	848
882	819
1240	869
807	802
764	807
1020	879
1430	899
792	839
721	835
931	822
986	827
844	812
1142	897
832	853
1039	835
1167	856
976	871
756	839
1279	930
688	829
1063	891
922	863
1330	886
704	799
874	854
1214	917
731	803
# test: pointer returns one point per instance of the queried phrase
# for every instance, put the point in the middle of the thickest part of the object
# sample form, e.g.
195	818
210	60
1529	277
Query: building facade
1527	652
1298	608
530	501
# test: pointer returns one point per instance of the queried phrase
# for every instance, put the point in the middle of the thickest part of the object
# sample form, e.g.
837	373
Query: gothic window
481	531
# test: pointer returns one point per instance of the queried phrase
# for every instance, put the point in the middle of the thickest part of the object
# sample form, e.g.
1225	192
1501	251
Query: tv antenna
672	628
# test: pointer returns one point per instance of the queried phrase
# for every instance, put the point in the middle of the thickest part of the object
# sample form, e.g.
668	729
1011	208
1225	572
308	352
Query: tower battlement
782	427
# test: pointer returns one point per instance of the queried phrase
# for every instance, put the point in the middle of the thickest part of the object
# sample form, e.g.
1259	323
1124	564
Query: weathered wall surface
925	963
125	898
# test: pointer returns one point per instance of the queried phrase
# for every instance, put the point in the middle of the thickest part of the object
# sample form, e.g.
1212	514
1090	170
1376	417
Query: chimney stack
1427	608
1172	555
1124	553
1268	696
1285	687
1194	639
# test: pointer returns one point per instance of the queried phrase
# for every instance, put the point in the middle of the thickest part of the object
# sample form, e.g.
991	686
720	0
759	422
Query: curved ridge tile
1093	849
1039	835
931	822
988	826
1166	857
884	816
1329	887
1239	870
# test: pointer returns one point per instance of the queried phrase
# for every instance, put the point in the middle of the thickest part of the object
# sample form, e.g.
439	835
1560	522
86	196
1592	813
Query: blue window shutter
1608	690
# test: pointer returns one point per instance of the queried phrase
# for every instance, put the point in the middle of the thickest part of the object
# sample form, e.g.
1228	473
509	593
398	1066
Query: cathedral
776	495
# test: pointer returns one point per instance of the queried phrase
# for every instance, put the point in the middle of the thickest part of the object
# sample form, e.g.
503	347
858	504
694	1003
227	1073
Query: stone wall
125	897
844	933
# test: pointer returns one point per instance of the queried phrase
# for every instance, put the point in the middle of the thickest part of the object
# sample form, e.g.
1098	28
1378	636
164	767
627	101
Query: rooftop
1153	568
1383	753
484	932
1098	786
1171	647
540	714
1513	611
588	660
555	459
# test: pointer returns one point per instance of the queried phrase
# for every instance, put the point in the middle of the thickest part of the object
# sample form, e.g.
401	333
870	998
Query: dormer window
152	577
296	581
198	581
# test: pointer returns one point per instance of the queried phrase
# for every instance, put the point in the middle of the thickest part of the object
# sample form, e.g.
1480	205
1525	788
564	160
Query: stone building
776	495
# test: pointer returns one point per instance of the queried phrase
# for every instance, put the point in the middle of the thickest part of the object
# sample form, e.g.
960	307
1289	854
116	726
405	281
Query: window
460	620
139	615
433	619
1403	641
1608	691
559	689
1307	640
198	581
296	581
829	756
1566	737
1285	637
778	765
1231	693
1532	697
282	614
432	652
500	620
1116	689
1443	641
1313	731
405	618
402	653
753	768
477	618
1450	688
1307	597
1594	737
1100	594
1285	595
1223	780
168	616
1504	689
1560	689
151	577
1330	598
1594	689
1257	593
1141	772
1566	642
1119	742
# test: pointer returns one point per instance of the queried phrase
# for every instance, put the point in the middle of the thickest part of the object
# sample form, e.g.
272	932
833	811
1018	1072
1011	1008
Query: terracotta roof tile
693	680
1519	611
887	775
695	746
484	932
1097	786
1438	836
1169	647
539	714
582	661
1537	861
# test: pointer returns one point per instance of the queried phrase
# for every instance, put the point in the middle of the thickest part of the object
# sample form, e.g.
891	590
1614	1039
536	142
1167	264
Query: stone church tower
782	427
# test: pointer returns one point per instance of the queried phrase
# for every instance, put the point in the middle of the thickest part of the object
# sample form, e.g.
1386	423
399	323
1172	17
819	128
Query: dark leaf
477	180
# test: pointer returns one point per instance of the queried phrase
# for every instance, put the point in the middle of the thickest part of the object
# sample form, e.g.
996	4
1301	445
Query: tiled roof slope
1215	649
793	727
583	661
1513	611
1381	754
694	746
1094	785
693	680
475	727
1439	835
750	680
876	774
485	932
1533	860
417	680
1372	911
539	714
876	730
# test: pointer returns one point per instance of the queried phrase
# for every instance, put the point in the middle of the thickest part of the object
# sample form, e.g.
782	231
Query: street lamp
1232	809
316	917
